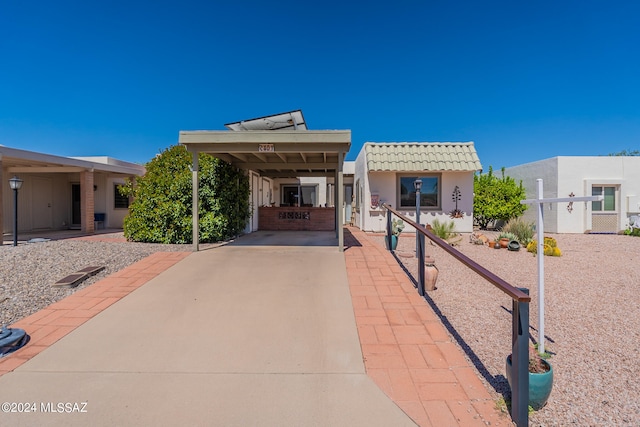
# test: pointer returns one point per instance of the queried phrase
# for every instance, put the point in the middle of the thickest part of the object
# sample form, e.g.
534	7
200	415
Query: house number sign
266	148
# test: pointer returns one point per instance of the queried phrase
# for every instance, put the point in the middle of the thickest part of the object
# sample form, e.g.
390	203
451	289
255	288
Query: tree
626	153
496	198
161	211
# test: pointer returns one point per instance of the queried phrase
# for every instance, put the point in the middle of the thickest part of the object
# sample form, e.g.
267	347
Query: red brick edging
50	324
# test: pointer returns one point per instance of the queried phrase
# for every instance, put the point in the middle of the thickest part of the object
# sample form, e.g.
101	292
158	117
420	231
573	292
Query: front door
255	201
76	213
42	201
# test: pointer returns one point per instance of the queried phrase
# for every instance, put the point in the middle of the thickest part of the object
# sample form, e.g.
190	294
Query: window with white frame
429	192
299	195
609	202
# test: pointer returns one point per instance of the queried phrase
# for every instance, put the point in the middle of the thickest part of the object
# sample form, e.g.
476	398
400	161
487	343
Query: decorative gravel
592	320
28	270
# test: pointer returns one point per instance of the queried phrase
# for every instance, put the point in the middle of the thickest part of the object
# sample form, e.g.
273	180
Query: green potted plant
505	238
397	225
540	377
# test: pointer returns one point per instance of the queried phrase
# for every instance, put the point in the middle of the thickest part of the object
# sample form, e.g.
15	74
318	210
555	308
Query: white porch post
194	207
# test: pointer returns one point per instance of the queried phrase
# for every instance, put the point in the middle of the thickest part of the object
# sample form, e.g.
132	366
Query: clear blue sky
524	80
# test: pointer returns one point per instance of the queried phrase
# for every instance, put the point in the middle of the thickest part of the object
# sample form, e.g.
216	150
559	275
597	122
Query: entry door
42	201
76	215
255	201
348	199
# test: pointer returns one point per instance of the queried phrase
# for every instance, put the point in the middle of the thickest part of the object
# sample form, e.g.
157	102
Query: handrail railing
519	313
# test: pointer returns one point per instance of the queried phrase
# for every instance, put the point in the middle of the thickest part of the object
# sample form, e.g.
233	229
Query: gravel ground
28	270
592	320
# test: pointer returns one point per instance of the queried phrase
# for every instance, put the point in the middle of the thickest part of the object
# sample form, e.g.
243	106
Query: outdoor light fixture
417	184
15	183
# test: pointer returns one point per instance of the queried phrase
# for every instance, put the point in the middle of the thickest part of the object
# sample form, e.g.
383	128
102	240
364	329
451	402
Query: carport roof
283	153
422	156
22	161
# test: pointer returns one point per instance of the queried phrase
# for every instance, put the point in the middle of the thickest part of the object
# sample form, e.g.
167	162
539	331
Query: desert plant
549	247
444	229
507	235
523	230
397	225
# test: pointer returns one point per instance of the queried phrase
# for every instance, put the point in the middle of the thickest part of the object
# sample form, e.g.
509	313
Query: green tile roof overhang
422	157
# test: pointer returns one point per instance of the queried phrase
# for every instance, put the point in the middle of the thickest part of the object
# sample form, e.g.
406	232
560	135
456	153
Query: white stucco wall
577	174
384	184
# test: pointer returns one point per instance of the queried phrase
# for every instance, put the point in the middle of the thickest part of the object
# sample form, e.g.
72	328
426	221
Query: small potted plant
397	225
540	377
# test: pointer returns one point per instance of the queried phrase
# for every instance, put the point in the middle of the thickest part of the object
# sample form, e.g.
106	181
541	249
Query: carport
279	153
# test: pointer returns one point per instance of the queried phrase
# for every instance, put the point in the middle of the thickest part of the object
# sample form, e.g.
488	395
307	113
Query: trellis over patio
274	154
519	320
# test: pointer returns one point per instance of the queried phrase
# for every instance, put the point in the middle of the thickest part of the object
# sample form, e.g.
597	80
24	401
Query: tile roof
422	156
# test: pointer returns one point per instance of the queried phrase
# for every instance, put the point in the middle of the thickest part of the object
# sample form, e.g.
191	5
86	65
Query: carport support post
194	208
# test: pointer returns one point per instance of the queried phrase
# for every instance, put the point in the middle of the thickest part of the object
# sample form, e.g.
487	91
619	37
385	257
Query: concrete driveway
260	332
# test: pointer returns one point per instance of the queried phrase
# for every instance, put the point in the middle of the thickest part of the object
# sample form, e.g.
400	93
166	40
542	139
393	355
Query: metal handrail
519	314
513	292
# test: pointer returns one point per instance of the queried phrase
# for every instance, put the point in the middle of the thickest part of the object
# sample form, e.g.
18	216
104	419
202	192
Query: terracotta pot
504	242
492	243
430	274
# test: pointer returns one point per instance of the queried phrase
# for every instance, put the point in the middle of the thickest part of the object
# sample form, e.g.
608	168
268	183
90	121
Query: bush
496	198
161	211
632	232
523	230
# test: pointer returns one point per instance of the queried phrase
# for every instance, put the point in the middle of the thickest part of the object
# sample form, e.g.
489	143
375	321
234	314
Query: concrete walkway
259	332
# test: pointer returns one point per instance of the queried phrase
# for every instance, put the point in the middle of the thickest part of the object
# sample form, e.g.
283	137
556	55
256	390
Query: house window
609	202
429	193
119	201
299	195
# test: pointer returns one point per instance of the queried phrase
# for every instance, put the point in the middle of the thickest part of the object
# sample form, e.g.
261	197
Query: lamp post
417	185
15	183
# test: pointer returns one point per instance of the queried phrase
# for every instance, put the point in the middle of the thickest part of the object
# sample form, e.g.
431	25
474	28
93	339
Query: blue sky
523	80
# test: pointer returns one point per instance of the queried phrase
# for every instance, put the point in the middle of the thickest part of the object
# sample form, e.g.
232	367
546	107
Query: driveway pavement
261	332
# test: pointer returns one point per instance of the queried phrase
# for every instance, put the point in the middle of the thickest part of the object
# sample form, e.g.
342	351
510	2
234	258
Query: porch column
340	186
194	207
87	206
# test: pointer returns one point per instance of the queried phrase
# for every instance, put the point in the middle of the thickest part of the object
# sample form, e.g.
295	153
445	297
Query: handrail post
389	230
420	239
520	362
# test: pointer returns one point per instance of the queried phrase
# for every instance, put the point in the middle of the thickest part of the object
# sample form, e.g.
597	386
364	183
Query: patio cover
279	154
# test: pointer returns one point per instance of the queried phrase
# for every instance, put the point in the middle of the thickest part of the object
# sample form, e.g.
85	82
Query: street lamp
417	185
15	183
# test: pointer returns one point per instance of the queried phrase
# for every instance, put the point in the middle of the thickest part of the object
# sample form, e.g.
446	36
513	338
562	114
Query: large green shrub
496	198
162	200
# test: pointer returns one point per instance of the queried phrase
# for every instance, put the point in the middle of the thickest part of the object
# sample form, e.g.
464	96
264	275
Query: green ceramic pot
540	385
394	242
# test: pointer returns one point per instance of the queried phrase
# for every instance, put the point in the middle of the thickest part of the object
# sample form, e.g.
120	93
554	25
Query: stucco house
617	178
60	193
385	172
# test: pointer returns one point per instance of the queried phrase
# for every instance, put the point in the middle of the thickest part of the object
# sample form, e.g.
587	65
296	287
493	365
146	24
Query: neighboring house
61	193
385	172
617	178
